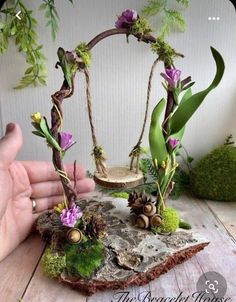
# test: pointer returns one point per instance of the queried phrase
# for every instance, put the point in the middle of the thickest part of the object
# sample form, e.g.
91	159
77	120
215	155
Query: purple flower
172	76
66	140
69	217
127	18
173	142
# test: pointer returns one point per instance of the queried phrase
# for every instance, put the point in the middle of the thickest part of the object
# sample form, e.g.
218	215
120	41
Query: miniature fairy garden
103	243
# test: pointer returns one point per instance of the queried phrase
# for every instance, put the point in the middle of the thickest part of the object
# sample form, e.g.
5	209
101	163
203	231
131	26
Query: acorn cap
149	209
142	221
74	235
155	220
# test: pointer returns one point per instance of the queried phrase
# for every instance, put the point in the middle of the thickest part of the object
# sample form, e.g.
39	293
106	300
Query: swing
117	177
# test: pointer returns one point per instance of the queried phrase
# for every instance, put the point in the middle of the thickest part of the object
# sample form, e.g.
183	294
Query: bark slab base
133	256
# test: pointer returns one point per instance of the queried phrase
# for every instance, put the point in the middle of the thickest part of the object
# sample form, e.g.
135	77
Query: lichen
170	221
184	225
141	27
84	258
164	51
53	263
84	53
122	194
214	177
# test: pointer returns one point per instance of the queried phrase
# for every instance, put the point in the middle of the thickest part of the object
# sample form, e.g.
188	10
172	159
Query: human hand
22	180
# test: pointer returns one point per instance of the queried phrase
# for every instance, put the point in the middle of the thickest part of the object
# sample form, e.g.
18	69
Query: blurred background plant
24	31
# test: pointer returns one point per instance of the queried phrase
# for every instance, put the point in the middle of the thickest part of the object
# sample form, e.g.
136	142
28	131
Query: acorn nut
149	209
142	221
74	235
155	220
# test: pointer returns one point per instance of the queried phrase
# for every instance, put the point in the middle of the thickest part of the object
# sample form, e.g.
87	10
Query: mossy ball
52	263
214	177
170	221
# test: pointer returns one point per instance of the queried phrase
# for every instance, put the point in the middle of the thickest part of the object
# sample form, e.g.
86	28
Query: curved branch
119	31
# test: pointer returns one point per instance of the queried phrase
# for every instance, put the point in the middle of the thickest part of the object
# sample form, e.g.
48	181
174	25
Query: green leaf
173	18
38	133
186	96
154	7
46	131
185	111
190	159
183	2
156	139
64	65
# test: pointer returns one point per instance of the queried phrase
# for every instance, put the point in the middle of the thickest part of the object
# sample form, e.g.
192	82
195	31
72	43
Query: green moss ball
170	221
52	263
214	177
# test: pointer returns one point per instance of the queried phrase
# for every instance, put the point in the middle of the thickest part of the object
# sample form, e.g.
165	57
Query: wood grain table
21	278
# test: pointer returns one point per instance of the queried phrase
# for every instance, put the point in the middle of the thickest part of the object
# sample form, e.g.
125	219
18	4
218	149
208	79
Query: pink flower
173	142
69	217
65	140
127	18
172	76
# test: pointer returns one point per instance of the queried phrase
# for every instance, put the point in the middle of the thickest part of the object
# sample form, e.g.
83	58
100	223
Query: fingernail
10	127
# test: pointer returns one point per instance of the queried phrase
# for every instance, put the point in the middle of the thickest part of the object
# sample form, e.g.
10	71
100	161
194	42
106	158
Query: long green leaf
156	139
187	108
50	139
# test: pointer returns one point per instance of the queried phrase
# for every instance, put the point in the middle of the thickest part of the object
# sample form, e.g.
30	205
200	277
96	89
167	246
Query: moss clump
164	51
185	225
170	221
214	177
52	263
84	258
141	27
84	53
124	195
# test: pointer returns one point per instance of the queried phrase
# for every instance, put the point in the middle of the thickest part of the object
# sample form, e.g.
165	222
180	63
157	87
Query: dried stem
145	117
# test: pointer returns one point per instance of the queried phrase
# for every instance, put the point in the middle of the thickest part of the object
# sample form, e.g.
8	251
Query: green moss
214	177
141	27
170	221
84	258
52	263
124	195
185	225
164	51
84	53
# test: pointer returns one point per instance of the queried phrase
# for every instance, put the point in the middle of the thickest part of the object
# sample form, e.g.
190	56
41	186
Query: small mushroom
155	220
74	235
142	221
149	209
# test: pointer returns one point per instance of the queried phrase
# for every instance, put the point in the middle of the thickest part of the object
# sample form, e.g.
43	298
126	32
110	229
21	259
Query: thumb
10	144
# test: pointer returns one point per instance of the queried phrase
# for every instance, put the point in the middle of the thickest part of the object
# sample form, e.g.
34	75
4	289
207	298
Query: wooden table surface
22	278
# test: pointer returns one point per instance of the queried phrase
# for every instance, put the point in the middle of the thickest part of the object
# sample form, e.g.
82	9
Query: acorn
136	201
74	235
149	209
155	220
142	221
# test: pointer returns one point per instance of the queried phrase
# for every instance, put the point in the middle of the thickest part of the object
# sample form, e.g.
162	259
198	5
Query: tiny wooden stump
119	177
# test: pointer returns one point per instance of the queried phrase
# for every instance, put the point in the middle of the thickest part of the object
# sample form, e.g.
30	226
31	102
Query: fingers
10	144
54	188
45	171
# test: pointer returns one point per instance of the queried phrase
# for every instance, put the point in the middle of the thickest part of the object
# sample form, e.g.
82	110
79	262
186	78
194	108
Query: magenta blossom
173	142
172	76
127	18
66	140
69	217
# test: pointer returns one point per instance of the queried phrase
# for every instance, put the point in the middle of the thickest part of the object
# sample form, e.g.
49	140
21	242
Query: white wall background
119	79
